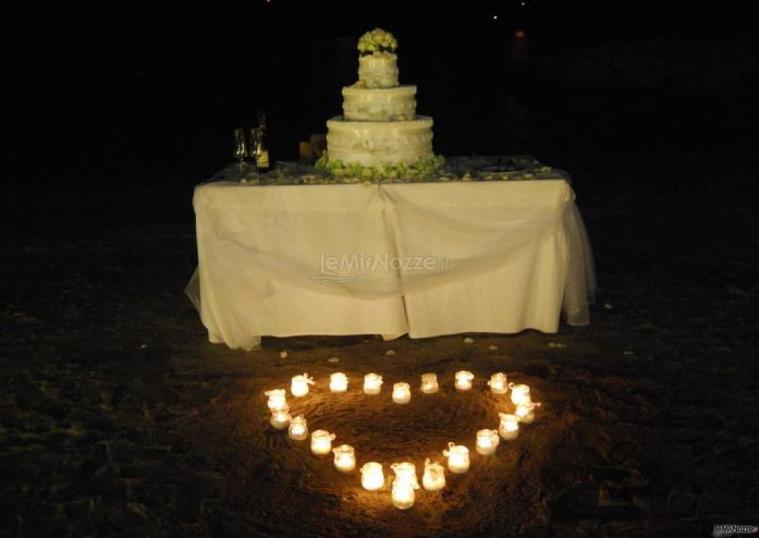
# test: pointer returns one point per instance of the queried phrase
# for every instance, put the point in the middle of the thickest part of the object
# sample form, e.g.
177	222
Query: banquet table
474	250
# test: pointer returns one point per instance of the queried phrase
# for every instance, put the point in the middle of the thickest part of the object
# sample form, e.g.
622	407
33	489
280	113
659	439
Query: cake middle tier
372	143
379	104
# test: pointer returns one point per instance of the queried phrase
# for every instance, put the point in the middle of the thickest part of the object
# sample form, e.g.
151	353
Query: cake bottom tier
372	143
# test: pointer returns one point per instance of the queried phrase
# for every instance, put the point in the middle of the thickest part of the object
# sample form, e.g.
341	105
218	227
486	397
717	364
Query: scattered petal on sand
390	353
333	359
469	340
283	354
493	347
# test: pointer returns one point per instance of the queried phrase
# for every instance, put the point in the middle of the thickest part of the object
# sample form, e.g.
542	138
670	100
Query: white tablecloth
419	258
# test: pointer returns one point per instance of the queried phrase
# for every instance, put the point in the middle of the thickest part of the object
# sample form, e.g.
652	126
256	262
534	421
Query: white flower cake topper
377	40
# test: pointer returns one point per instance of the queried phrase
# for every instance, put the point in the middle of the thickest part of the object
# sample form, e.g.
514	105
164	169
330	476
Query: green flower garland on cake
422	168
377	40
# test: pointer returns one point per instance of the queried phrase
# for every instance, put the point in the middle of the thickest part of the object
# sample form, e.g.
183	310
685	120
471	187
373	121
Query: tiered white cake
379	125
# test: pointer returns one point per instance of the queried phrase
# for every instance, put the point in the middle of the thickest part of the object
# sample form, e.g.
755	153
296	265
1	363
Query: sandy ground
119	418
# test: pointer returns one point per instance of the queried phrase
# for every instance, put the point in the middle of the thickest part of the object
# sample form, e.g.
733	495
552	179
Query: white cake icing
379	104
372	143
380	125
378	70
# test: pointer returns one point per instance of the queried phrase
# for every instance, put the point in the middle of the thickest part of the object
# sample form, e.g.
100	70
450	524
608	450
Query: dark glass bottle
263	159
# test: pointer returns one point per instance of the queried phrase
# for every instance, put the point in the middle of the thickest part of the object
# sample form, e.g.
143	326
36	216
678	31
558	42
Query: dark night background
110	413
145	95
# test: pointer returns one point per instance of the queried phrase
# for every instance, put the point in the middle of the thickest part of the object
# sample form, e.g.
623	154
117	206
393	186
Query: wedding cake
379	133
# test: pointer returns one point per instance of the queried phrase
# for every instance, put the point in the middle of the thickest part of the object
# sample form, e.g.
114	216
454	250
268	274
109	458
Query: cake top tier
377	40
377	62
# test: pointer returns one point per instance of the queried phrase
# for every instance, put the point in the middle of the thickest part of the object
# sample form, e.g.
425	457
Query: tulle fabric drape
422	258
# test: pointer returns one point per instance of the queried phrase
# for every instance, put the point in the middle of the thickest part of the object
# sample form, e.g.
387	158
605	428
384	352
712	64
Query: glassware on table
240	150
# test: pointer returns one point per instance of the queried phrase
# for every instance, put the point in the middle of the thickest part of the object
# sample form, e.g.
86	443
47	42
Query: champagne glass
255	145
240	149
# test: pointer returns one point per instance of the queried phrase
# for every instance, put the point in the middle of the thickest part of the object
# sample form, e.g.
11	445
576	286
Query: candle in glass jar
345	458
280	418
321	442
429	383
434	476
298	430
372	477
299	385
458	458
404	484
520	394
487	442
401	393
338	382
372	384
277	399
498	383
509	427
526	412
464	380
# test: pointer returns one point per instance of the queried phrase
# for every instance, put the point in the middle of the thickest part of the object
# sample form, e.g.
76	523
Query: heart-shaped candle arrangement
405	482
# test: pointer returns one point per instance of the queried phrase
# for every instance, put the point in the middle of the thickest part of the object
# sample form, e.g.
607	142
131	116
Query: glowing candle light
429	383
372	384
458	458
464	380
498	383
487	442
434	476
345	458
277	399
338	382
298	430
299	385
280	418
401	393
372	477
526	412
520	394
404	484
321	442
509	427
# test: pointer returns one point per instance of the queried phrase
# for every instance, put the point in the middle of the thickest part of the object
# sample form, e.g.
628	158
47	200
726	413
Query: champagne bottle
263	162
